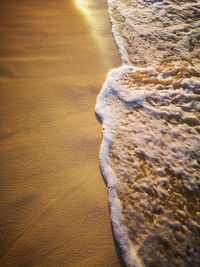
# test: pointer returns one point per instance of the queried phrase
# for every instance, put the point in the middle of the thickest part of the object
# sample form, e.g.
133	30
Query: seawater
150	154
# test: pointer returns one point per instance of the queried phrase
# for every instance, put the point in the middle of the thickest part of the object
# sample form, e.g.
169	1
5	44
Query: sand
53	200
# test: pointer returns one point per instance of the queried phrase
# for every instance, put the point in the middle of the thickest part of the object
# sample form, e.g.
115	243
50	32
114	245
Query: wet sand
53	201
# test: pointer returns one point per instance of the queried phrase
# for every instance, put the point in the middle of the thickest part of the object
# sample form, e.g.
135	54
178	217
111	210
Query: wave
150	152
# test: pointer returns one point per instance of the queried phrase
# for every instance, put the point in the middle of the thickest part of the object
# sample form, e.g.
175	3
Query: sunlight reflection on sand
98	25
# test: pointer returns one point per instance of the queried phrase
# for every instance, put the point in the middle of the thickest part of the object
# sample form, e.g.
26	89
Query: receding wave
150	110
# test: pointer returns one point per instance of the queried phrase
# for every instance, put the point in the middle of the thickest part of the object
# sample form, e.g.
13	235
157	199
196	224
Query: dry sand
53	201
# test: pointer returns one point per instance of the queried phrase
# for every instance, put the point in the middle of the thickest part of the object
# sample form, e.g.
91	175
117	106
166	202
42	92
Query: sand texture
52	198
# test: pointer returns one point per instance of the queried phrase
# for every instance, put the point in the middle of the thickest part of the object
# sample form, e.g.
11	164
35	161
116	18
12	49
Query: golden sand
53	201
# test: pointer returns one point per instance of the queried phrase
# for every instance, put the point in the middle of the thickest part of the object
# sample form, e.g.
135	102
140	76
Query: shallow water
151	144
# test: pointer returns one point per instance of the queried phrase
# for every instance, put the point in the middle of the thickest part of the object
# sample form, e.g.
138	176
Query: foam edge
128	253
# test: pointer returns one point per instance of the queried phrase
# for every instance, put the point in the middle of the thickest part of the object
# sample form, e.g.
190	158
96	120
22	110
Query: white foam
153	32
150	152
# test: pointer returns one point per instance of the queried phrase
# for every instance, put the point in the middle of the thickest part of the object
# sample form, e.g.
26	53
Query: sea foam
150	153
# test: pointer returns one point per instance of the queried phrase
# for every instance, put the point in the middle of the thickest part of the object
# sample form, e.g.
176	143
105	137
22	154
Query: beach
53	200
